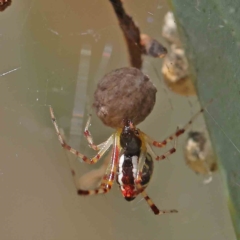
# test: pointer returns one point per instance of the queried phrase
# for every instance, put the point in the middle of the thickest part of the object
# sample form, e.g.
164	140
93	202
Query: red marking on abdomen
128	190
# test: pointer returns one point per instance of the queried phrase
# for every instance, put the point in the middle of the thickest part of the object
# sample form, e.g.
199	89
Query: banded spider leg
150	142
109	177
173	136
139	180
89	138
110	173
75	152
166	154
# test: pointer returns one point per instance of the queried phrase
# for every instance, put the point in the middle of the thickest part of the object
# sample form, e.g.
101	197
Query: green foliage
210	32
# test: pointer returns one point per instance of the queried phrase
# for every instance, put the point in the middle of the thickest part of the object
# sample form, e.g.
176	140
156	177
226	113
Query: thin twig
137	43
131	33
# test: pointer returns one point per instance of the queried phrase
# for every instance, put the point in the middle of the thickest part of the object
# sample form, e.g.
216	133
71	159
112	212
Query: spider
131	160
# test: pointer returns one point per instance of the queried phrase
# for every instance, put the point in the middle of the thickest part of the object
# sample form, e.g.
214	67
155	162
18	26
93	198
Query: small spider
131	161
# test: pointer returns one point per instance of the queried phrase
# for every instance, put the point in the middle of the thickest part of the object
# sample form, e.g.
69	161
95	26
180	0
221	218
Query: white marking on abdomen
134	168
135	165
120	175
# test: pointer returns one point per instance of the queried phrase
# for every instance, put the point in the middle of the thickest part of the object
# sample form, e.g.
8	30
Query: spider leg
140	188
175	135
165	155
89	138
93	178
151	203
110	174
75	152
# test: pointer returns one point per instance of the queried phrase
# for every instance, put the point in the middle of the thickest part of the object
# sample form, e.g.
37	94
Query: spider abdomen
147	170
127	174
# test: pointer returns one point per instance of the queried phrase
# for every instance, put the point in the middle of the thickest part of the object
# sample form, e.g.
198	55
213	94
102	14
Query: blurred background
54	53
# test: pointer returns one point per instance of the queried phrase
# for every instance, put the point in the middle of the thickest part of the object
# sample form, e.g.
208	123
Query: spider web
54	54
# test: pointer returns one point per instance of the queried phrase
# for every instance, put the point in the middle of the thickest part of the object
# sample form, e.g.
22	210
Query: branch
137	43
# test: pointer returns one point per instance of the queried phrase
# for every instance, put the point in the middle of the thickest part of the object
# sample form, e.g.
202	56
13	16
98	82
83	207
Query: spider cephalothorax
129	138
131	163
